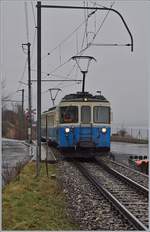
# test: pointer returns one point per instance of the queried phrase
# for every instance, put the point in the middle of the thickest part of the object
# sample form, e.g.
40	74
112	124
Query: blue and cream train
80	121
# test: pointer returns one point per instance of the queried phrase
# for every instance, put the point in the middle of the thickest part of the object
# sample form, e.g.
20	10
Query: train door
85	126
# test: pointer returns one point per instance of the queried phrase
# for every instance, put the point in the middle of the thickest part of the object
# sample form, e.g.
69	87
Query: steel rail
121	208
124	178
124	166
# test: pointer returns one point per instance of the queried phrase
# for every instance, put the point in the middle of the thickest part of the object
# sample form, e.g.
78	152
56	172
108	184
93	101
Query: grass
35	203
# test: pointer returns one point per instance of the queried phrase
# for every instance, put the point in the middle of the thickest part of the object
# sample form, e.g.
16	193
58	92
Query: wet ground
13	151
122	151
129	148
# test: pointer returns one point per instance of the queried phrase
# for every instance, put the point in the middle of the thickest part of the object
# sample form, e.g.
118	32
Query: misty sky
120	74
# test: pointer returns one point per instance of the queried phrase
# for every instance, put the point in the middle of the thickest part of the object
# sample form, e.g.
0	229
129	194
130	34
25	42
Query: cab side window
69	114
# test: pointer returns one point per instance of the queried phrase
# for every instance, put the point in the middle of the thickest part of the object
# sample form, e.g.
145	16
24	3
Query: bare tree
4	96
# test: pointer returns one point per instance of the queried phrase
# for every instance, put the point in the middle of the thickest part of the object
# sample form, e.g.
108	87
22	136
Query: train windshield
69	114
85	114
101	114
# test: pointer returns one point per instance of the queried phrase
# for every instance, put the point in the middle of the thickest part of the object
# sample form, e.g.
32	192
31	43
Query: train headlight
67	130
85	99
104	129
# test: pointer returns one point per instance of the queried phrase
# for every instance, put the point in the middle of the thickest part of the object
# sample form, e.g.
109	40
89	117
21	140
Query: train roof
80	96
50	109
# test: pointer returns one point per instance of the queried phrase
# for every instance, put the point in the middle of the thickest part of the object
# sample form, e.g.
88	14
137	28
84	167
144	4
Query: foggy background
120	74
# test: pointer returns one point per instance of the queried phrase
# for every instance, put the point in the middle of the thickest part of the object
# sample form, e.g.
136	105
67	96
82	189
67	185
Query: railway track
130	182
135	175
126	196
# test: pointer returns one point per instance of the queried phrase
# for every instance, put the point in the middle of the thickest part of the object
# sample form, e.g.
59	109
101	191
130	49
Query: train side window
85	114
50	121
69	114
101	114
43	122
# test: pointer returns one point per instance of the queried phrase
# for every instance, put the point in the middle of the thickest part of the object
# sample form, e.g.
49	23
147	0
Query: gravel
90	210
137	176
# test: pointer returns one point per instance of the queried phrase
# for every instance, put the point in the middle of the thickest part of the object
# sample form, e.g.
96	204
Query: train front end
84	122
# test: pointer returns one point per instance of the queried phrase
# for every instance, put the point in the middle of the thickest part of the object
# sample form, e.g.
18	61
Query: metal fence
134	132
